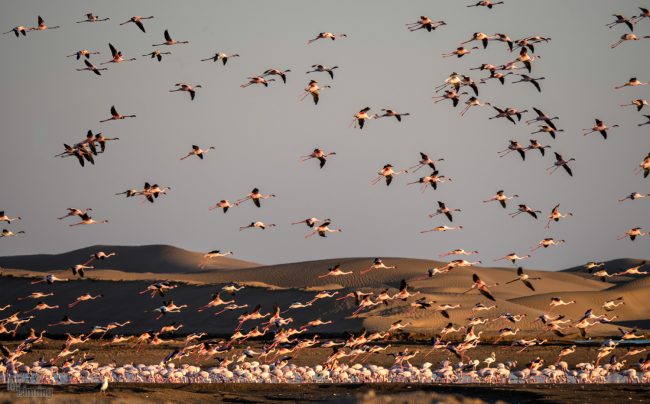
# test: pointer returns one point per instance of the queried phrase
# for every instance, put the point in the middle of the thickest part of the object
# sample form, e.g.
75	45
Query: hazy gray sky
260	132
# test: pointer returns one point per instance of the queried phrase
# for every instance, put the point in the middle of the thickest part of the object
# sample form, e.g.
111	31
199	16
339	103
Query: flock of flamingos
272	363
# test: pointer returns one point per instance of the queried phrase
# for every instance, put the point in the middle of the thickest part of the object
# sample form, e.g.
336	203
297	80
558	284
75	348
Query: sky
260	133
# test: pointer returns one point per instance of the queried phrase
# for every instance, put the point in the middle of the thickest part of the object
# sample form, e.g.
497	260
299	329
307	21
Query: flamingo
277	72
257	80
157	55
638	103
634	196
627	37
8	233
92	68
335	271
170	41
393	113
377	264
527	79
513	257
317	154
116	115
5	218
481	286
91	17
560	162
525	209
632	233
186	87
220	56
137	20
326	35
197	151
524	278
83	53
425	23
547	242
17	31
486	3
458	251
323	68
633	82
212	255
599	127
84	298
501	197
473	102
425	161
388	173
85	219
41	25
255	196
361	117
442	229
258	224
117	56
323	229
556	215
314	89
514	146
223	204
443	209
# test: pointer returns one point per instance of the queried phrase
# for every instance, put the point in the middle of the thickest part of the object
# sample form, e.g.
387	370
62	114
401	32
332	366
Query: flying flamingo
645	164
599	127
91	17
8	233
186	87
482	287
473	102
212	255
41	25
443	209
17	30
117	56
392	113
116	115
425	23
425	161
278	72
525	209
256	197
83	53
560	162
547	242
442	229
556	215
633	233
486	3
326	35
322	68
137	20
220	56
627	37
170	41
259	225
317	154
361	117
634	196
314	89
524	278
512	257
223	204
323	229
92	68
458	251
514	146
197	151
75	212
157	55
215	302
501	197
84	298
387	173
335	271
638	103
85	219
377	264
634	270
257	80
49	279
5	218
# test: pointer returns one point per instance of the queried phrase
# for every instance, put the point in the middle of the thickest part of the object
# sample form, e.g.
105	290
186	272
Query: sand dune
135	267
137	259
